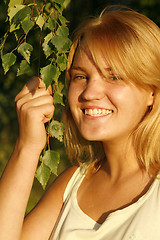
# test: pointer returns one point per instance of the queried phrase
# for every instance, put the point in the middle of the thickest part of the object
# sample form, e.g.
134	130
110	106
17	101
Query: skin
89	89
116	182
34	108
117	177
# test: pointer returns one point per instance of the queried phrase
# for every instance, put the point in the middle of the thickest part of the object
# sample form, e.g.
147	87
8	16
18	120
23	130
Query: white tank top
138	221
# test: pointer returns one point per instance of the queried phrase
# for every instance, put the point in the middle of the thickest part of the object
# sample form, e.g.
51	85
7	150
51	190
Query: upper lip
95	107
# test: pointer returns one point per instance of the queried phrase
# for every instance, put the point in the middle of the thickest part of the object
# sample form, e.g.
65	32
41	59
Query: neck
121	159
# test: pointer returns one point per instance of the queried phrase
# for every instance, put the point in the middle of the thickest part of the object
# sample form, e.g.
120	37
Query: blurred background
76	12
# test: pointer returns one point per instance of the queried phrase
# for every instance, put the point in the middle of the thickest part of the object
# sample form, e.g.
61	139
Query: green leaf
12	13
63	20
62	62
51	159
7	61
66	3
40	21
48	7
60	87
59	42
27	24
24	68
51	22
17	15
58	98
25	50
58	1
62	31
56	130
47	45
59	8
61	38
48	74
57	75
67	45
43	174
12	3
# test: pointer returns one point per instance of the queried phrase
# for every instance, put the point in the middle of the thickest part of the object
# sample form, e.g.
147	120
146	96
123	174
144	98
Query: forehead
84	57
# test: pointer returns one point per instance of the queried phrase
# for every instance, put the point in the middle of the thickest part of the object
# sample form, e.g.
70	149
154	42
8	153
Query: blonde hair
130	42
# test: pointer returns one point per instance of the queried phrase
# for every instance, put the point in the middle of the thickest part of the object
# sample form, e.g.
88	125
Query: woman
112	129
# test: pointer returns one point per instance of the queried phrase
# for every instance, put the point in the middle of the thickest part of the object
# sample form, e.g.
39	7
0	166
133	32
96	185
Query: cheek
73	95
69	96
128	99
117	96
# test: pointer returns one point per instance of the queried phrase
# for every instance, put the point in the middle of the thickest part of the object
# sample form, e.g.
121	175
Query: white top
138	221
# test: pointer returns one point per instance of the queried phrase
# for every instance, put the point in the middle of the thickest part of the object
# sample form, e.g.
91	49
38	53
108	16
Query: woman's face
104	109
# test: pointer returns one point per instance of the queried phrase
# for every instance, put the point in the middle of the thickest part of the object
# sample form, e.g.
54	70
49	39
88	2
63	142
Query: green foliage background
76	12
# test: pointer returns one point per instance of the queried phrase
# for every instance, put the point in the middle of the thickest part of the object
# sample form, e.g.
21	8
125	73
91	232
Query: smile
97	112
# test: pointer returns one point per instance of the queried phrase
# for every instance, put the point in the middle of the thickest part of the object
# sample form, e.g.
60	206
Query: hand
34	108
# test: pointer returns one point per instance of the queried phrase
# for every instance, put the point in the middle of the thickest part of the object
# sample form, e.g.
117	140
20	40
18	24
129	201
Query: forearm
34	106
15	187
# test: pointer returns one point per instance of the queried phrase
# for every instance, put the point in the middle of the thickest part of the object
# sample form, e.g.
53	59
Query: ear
151	98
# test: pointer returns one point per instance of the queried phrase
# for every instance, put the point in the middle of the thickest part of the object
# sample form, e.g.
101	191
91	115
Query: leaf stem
25	2
39	52
39	10
19	43
2	44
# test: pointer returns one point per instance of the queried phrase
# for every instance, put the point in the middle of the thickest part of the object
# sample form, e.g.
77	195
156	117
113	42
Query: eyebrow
109	69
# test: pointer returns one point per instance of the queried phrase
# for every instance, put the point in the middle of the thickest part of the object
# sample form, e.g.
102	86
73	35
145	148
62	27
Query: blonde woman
112	132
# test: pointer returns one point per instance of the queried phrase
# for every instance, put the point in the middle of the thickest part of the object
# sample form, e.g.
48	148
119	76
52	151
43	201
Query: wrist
27	149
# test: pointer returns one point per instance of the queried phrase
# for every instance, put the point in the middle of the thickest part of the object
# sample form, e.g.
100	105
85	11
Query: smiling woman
112	133
121	64
94	92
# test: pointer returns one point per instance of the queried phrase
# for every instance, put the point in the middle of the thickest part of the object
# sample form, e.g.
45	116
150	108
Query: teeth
97	112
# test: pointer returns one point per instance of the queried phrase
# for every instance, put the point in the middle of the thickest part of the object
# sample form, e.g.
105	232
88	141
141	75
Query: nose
94	90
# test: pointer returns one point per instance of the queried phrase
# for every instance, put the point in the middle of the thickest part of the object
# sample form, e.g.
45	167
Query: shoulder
52	201
63	179
48	209
60	184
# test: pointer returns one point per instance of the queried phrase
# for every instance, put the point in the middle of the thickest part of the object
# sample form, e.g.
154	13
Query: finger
41	113
37	82
31	86
49	111
50	89
36	102
42	85
29	97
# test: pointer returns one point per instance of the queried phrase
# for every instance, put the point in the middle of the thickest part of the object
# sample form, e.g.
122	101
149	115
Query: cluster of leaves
24	17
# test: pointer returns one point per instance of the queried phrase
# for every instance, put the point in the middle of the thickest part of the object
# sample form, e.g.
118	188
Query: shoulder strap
76	179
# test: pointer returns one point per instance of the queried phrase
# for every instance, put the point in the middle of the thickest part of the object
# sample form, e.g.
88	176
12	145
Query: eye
79	77
115	78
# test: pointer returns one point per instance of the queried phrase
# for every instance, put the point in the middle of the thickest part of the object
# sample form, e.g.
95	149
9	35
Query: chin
91	137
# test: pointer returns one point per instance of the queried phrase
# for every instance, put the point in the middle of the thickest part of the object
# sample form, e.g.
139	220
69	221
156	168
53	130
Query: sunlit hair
130	43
